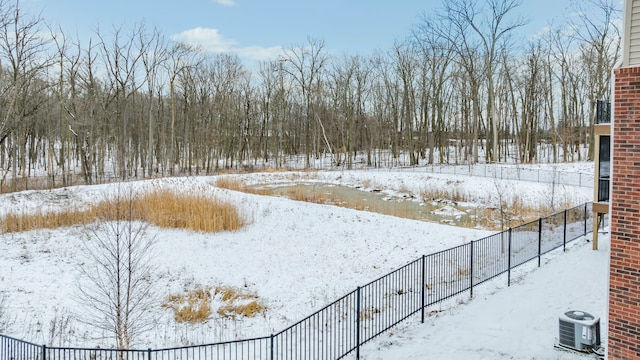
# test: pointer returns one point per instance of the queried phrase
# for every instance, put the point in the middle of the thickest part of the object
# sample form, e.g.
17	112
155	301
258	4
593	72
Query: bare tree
437	56
501	187
68	65
5	21
549	98
269	75
141	100
117	290
121	58
525	95
153	59
305	65
484	34
227	77
22	45
348	83
180	59
406	69
600	49
276	111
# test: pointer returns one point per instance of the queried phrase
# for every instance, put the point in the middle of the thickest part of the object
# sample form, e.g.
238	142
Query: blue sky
259	29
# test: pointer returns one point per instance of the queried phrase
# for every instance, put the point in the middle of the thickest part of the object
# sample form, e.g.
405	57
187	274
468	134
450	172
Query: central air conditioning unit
580	331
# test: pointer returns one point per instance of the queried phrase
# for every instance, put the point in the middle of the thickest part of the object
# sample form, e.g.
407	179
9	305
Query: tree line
462	87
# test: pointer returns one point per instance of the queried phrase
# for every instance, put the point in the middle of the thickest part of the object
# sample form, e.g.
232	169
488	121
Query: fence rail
339	329
511	172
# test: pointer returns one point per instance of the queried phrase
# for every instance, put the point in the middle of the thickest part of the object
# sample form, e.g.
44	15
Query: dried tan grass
238	302
274	170
231	183
12	223
194	212
36	183
437	194
229	294
250	309
191	307
516	213
163	209
311	196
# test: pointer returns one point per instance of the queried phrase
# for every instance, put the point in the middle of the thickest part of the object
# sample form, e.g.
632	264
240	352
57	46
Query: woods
463	87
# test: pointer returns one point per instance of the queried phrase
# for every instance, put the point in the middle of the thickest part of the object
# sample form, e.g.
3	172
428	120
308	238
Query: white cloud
211	40
226	2
259	53
206	38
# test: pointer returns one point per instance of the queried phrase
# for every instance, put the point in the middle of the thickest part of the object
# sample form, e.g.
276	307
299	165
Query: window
604	168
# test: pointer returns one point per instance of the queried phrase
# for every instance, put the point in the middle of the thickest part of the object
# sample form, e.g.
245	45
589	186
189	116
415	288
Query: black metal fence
341	328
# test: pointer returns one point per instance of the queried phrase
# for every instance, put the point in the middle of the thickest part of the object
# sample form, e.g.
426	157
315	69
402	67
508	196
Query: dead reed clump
228	294
312	196
519	213
436	194
271	170
36	183
230	183
191	307
12	223
161	208
237	302
193	212
233	184
513	213
250	309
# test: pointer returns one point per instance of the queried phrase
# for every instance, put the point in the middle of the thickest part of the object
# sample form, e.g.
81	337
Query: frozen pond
375	201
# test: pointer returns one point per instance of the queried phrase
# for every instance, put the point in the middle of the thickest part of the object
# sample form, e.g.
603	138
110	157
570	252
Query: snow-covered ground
516	322
297	257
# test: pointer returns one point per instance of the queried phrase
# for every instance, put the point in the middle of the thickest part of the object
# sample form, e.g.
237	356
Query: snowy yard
296	258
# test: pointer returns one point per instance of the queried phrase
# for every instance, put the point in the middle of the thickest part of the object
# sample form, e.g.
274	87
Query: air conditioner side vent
567	333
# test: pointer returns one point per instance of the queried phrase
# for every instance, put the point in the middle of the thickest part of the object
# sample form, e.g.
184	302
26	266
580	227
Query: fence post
44	352
539	240
358	325
471	271
509	261
564	236
271	350
149	354
585	219
422	285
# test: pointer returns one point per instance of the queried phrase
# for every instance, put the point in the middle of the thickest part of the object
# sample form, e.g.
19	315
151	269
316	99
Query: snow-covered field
297	257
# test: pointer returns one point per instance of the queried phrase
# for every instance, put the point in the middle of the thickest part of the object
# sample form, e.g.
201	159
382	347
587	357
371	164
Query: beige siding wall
634	34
